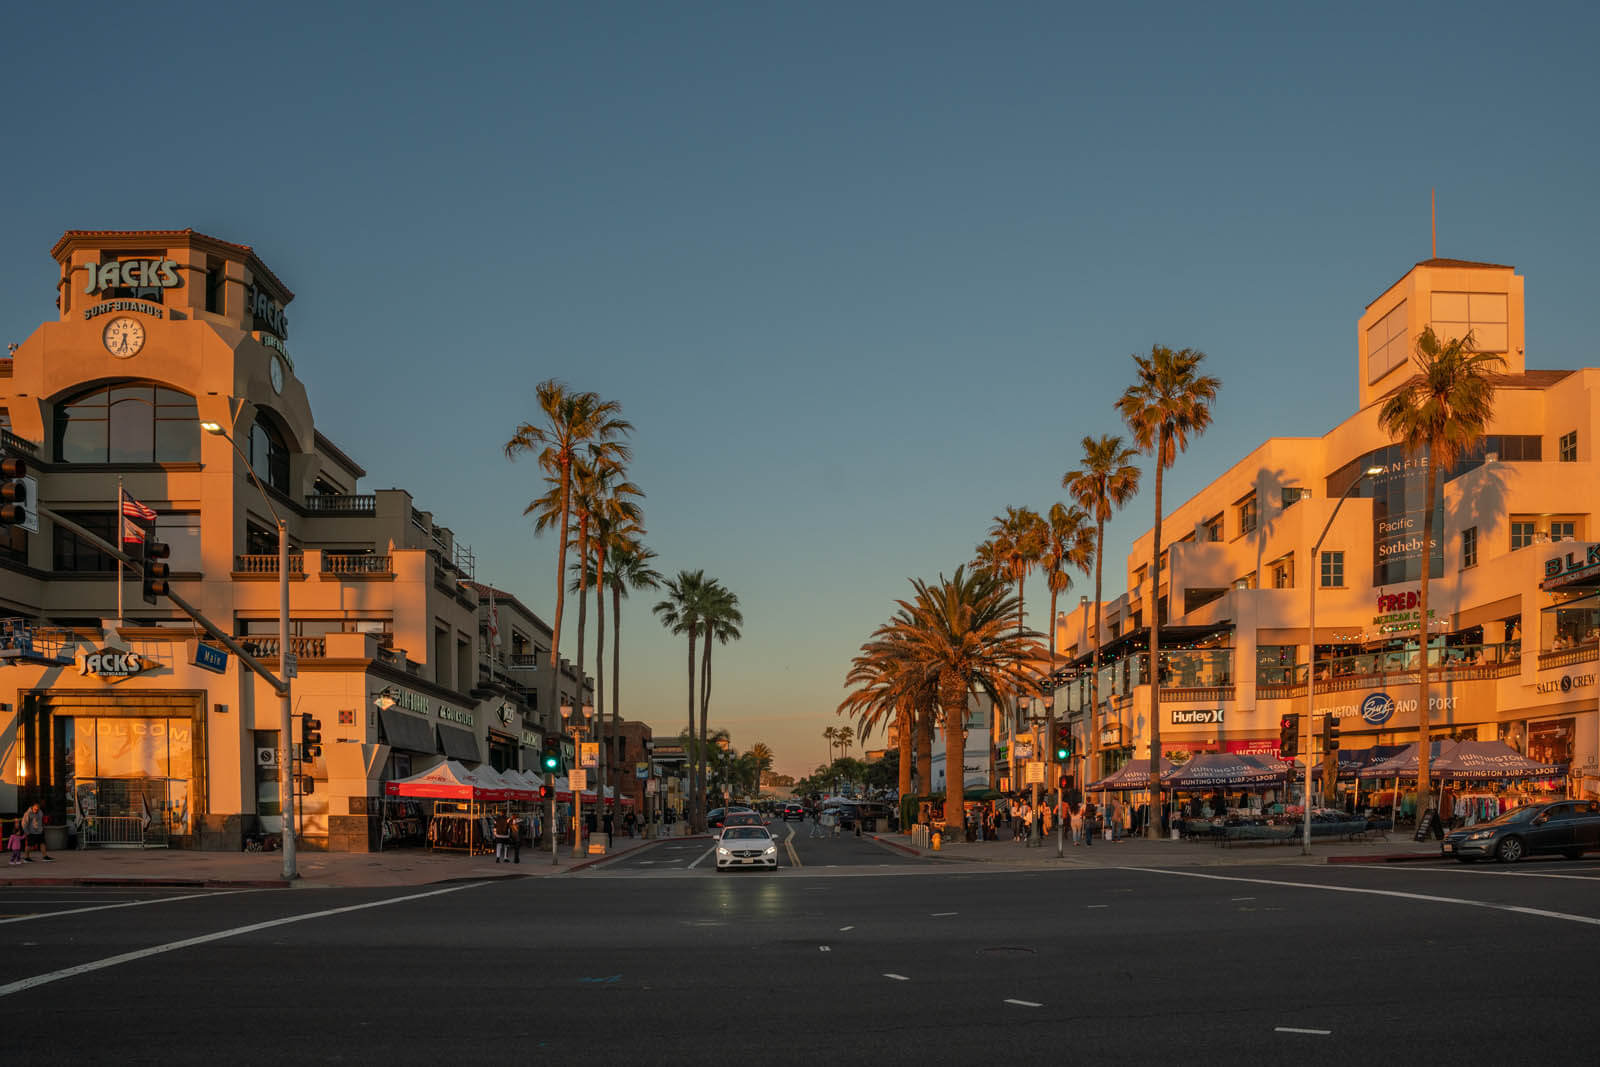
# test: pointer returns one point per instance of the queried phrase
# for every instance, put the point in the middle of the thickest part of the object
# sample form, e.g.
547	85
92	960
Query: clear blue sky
862	275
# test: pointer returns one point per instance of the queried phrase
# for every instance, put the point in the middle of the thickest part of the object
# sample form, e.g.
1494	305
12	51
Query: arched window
128	422
269	456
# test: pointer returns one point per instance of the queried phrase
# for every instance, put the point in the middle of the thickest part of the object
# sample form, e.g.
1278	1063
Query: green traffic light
1063	753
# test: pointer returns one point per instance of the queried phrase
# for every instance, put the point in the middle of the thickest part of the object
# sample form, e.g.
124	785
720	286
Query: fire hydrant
938	841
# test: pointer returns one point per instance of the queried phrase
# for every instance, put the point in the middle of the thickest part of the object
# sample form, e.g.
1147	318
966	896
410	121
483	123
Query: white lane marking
1023	1003
1480	873
842	929
1429	898
109	907
1097	905
702	856
896	977
1299	1030
824	948
189	942
942	914
1241	898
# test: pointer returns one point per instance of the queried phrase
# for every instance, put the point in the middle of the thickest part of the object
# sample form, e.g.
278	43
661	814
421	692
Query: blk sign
1571	566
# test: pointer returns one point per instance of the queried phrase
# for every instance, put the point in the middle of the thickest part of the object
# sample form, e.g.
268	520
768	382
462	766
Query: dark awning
459	743
408	731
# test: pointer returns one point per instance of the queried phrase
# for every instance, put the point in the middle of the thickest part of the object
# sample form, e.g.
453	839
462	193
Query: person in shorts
33	832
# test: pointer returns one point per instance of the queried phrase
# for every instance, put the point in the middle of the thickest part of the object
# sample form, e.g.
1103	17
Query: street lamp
285	658
577	730
1313	578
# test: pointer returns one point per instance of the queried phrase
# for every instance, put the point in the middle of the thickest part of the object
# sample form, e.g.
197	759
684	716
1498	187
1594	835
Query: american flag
135	516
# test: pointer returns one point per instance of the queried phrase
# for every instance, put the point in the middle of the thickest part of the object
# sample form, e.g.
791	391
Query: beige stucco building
157	332
1515	567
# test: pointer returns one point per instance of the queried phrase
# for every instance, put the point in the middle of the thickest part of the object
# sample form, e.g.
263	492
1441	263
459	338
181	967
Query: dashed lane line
1300	1030
189	942
843	929
942	914
1587	920
1024	1003
896	977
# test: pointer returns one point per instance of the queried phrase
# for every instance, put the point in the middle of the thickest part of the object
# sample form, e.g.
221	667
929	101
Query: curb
1390	857
907	849
152	883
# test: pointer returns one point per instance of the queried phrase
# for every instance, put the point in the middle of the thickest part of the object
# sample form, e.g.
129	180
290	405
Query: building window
74	555
1333	570
1469	547
1293	494
1569	447
1282	572
1247	515
1563	530
269	456
181	532
1140	573
1521	534
1247	582
131	422
1213	528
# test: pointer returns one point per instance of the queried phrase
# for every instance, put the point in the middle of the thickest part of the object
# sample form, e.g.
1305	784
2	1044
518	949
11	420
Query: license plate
1449	848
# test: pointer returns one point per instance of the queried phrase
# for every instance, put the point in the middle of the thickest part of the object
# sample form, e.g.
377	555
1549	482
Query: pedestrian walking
1088	822
816	823
15	845
516	839
33	831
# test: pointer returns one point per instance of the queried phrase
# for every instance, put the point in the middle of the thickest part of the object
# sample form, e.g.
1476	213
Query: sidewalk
163	868
1138	852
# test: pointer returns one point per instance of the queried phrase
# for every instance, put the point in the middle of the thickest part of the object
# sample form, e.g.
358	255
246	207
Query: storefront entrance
126	768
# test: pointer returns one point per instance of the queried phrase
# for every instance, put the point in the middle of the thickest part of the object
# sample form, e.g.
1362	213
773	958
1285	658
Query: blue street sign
210	658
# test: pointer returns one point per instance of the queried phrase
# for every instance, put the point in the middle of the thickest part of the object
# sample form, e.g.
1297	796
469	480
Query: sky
861	275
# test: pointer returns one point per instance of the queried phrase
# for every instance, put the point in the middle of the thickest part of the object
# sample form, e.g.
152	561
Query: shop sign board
1111	735
455	715
530	739
209	657
1571	567
1379	708
589	754
641	770
1196	716
133	274
1398	613
650	787
113	663
1564	684
1024	750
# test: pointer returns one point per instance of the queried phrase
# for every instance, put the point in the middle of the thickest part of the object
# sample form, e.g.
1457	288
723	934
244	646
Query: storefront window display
127	767
1551	742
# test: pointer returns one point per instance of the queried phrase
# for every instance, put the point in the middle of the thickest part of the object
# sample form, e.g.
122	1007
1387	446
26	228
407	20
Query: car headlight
772	848
1479	835
722	851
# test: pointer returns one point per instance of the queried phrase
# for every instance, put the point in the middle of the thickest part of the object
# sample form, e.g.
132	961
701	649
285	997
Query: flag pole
121	519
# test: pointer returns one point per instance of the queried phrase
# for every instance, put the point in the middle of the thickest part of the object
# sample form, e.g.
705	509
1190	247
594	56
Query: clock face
275	372
123	337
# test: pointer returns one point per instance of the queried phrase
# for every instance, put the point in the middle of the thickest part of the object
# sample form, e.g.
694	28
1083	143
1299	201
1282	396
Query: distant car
792	810
742	818
746	846
1566	827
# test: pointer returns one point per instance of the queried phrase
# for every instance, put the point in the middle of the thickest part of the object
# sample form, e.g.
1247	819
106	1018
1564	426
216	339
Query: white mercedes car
746	846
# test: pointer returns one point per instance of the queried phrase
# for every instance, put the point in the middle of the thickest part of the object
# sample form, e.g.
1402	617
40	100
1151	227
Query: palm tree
1067	546
681	613
847	737
630	569
720	618
1170	402
955	634
1016	543
832	735
761	752
1438	414
1105	480
885	688
614	518
575	424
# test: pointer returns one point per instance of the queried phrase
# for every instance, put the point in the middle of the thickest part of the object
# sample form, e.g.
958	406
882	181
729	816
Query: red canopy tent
448	781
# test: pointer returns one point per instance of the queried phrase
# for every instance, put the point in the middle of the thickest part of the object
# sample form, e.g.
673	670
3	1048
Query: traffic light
1063	743
308	785
550	760
310	736
544	792
1289	736
156	570
1331	733
13	491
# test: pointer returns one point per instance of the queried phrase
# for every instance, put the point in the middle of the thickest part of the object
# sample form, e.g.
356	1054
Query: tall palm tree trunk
583	609
554	710
904	722
689	804
616	654
1153	824
1091	744
953	698
1048	742
925	721
600	675
1424	740
705	712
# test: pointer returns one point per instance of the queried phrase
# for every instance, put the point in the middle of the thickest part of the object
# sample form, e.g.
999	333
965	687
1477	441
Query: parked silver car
746	846
1565	827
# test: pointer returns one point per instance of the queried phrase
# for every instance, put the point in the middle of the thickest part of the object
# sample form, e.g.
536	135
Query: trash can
55	837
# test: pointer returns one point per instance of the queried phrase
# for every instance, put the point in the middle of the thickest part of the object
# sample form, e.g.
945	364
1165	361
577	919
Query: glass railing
1206	668
1454	659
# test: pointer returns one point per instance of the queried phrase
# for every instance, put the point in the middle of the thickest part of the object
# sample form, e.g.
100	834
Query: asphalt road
1303	964
796	850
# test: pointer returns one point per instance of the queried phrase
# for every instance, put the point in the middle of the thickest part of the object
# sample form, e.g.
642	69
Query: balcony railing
1566	657
264	563
523	661
357	564
14	443
1460	662
342	504
263	647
